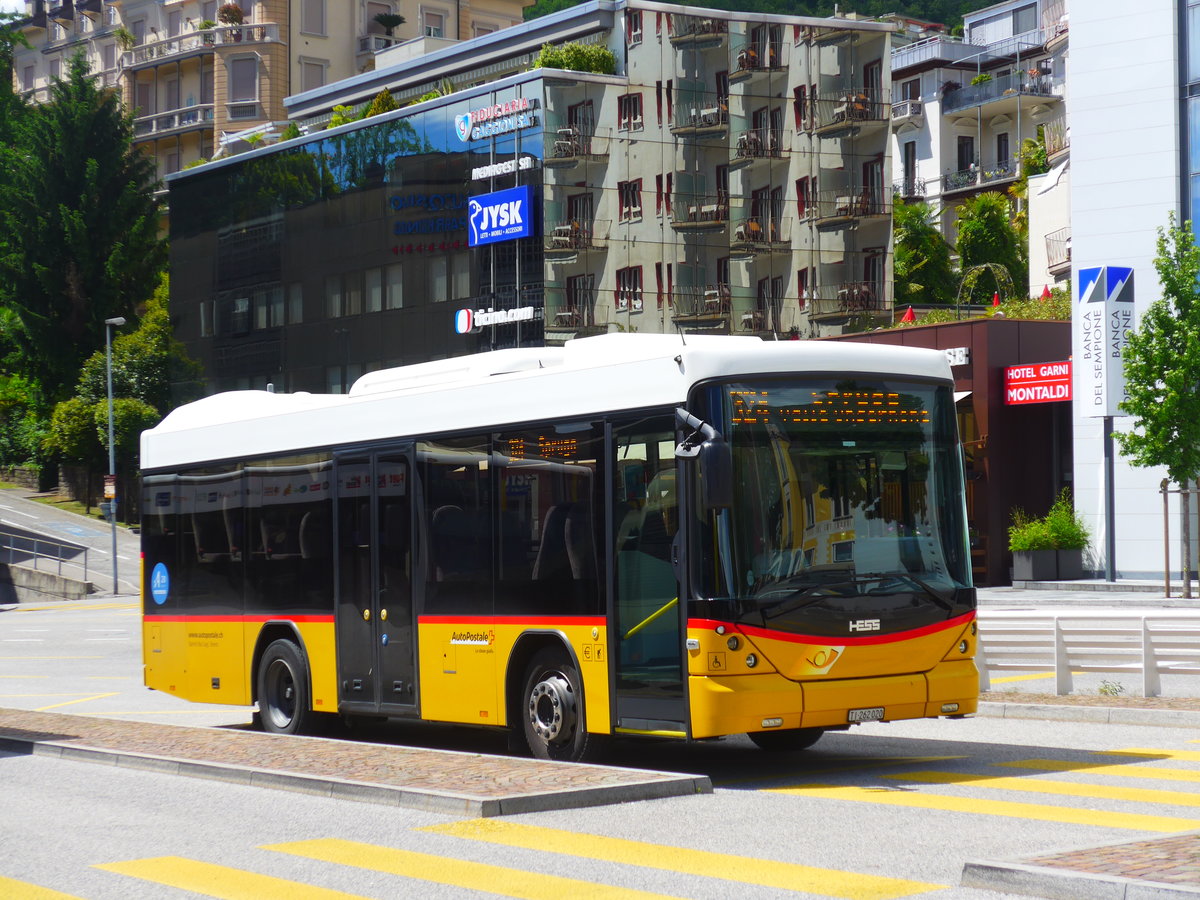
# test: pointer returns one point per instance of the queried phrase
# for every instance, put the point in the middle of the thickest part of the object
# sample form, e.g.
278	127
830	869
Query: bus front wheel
552	708
787	740
283	696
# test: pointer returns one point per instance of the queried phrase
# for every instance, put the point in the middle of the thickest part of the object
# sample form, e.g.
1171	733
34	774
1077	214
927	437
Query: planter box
1035	565
1070	564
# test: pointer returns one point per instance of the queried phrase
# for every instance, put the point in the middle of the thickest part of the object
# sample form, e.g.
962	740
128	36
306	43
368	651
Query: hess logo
864	625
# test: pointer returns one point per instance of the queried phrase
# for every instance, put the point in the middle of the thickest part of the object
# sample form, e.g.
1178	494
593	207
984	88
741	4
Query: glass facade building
729	178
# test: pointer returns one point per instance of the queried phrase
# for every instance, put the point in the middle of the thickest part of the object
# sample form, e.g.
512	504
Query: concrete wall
22	585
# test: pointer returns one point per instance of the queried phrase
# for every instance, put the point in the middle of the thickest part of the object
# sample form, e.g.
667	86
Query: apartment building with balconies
198	83
964	106
728	178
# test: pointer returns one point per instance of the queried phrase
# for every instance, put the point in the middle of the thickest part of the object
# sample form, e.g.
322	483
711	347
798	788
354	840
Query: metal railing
193	41
1147	645
1058	247
159	123
16	547
1040	84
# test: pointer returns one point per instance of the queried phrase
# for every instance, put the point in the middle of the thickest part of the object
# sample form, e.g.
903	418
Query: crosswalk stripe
1058	788
848	764
1123	771
1008	808
220	881
1152	753
446	870
741	869
23	890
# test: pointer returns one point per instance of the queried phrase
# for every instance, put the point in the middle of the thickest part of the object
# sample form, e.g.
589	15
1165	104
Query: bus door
375	629
647	618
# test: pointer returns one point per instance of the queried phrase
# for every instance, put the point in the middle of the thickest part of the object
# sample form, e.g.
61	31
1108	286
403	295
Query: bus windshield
848	499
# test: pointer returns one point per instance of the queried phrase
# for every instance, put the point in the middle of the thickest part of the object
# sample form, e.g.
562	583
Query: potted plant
125	38
205	28
231	14
1050	547
1034	556
389	21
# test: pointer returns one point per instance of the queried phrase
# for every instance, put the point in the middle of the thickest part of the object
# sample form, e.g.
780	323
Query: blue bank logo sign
500	216
160	584
1104	319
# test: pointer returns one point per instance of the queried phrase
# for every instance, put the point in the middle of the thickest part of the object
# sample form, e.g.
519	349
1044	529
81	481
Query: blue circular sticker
160	584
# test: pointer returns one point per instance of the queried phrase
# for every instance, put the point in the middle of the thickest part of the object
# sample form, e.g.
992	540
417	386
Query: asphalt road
886	810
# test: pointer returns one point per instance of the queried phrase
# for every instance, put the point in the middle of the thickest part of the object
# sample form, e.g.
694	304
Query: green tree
1162	369
79	239
923	272
383	102
986	235
148	364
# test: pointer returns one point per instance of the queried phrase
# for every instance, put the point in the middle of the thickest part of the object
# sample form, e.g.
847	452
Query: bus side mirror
716	474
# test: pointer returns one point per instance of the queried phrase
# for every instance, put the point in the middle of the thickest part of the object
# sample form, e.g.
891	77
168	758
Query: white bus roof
587	376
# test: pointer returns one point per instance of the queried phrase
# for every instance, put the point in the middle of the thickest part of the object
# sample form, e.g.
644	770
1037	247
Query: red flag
909	316
996	299
1046	292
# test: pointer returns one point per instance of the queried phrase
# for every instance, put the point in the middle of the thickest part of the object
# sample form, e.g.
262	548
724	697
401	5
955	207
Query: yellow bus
626	535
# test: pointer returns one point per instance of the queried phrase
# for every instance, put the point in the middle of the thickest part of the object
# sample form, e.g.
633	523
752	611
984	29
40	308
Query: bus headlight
751	660
732	643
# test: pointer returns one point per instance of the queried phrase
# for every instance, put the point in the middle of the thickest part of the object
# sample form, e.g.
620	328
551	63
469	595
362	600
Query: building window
630	193
243	79
633	27
108	57
480	29
174	22
802	195
629	112
376	9
658	195
208	11
312	73
394	283
333	296
55	69
295	303
433	23
312	17
629	289
1002	151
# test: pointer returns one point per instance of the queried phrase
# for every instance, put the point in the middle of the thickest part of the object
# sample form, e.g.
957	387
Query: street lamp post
117	321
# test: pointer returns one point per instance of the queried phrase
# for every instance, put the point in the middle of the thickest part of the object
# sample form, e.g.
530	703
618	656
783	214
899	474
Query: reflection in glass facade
729	179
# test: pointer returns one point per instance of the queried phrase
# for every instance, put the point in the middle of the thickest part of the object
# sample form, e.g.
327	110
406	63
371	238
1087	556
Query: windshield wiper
911	579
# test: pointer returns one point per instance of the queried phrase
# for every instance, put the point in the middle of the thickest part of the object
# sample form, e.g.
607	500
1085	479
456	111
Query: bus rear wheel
552	708
790	739
284	704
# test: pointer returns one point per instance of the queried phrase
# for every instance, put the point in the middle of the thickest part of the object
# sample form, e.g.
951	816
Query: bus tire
788	740
284	703
552	708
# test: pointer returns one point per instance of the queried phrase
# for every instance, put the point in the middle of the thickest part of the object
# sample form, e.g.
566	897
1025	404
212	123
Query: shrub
577	57
1060	529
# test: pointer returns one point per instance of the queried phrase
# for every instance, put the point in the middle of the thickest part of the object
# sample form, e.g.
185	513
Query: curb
424	799
1062	884
1104	715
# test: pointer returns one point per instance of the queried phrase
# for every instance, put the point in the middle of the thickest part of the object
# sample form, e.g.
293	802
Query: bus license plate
873	714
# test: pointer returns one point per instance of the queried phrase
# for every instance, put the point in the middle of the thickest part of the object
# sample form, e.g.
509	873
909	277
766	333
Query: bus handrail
10	539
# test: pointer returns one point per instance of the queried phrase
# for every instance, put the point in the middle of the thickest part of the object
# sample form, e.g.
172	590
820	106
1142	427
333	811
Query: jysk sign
1038	383
500	216
1105	319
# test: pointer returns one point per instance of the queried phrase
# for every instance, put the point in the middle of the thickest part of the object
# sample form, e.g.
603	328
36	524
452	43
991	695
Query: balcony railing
849	109
760	143
852	203
709	301
847	299
761	233
197	41
1058	249
976	176
161	123
686	29
1013	84
697	213
373	43
756	56
577	234
948	49
1057	136
697	117
907	112
568	144
570	309
909	188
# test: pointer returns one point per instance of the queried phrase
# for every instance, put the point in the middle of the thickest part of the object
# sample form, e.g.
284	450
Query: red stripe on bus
534	621
755	631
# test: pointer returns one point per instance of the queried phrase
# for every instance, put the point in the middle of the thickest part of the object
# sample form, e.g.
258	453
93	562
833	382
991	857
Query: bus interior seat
212	541
314	534
452	543
552	563
580	546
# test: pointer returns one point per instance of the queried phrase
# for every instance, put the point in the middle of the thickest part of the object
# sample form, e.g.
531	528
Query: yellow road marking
219	881
1008	808
857	764
457	872
1008	678
23	890
741	869
80	700
1151	753
1124	771
1059	788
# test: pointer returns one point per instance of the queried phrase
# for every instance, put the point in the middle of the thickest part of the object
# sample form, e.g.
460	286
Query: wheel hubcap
283	694
552	709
